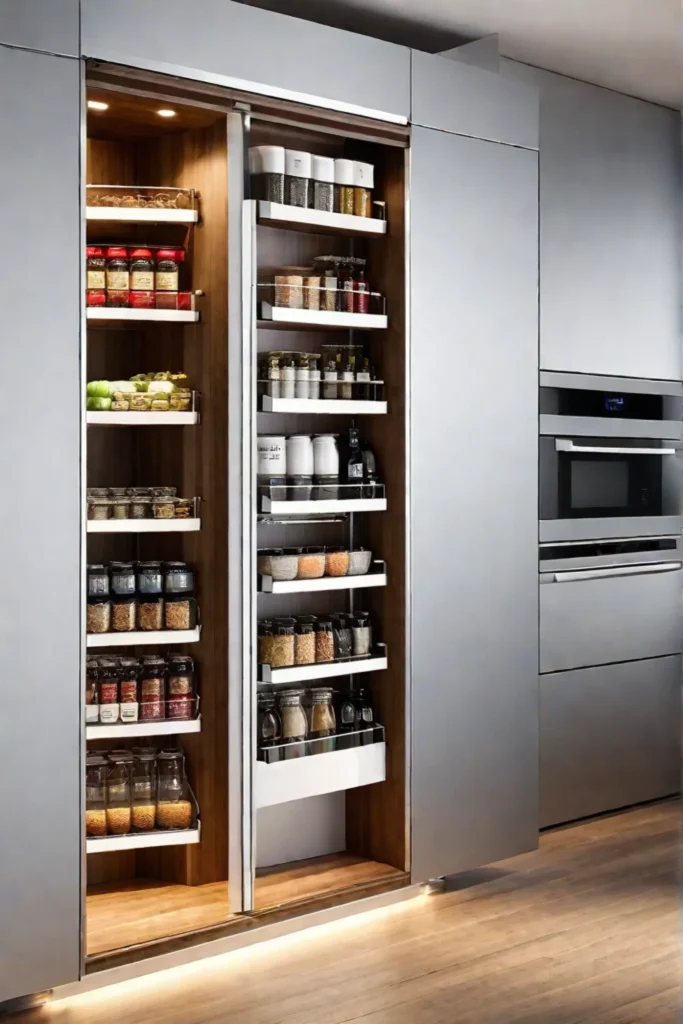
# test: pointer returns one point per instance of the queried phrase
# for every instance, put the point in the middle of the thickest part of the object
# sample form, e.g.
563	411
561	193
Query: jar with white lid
344	185
267	170
325	455
297	177
322	192
299	456
364	182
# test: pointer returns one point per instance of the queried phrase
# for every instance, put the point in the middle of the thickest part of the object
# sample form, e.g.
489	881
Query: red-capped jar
95	269
141	271
118	269
167	274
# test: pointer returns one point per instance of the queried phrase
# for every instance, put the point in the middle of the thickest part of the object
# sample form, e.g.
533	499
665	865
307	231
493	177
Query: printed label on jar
179	707
167	281
118	280
150	710
129	712
96	280
109	713
152	687
129	692
141	281
92	713
108	693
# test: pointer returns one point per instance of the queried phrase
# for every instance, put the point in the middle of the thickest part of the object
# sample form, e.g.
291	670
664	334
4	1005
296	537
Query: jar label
167	280
129	712
141	281
108	693
96	280
109	713
118	280
129	692
92	713
356	471
362	377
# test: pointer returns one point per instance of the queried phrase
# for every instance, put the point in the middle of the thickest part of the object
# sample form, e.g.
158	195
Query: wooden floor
585	931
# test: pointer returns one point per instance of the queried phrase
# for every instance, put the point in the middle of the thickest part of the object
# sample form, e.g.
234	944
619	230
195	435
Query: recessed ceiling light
97	105
166	113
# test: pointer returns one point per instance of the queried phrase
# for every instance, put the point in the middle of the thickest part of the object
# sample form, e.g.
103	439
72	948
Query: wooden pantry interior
330	824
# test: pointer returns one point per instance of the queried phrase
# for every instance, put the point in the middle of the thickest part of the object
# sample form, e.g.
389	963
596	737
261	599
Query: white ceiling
633	46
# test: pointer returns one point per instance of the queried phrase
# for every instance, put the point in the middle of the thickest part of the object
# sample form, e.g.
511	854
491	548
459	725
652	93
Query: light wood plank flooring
584	930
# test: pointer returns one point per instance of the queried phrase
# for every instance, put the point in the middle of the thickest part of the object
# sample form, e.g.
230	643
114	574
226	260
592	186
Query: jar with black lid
98	581
150	578
268	729
343	641
152	688
167	273
122	578
141	271
98	613
180	690
178	578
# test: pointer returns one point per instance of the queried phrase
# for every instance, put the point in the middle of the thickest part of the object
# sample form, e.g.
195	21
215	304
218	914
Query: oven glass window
599	484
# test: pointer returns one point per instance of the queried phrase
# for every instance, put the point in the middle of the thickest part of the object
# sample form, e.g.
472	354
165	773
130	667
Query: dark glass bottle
365	714
353	465
370	481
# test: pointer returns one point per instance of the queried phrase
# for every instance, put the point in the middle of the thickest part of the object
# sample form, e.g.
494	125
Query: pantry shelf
377	577
331	406
134	215
124	730
126	314
377	662
143	840
274	317
142	419
323	507
296	218
138	638
144	525
301	777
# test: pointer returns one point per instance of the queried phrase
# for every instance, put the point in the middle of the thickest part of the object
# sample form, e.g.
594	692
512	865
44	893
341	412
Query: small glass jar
99	508
92	699
167	271
95	269
120	508
108	690
178	578
183	508
330	378
304	640
95	795
122	579
268	729
364	181
152	688
163	508
322	720
163	492
144	792
324	641
297	177
119	806
322	186
337	562
150	578
314	377
365	714
124	614
117	270
344	186
98	615
329	271
282	651
294	722
140	507
129	688
98	580
141	271
343	642
174	807
361	634
265	642
180	688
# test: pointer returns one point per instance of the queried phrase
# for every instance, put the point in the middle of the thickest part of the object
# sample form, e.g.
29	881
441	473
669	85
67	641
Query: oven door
600	487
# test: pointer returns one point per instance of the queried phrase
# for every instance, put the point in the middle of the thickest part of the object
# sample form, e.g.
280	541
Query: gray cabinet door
40	533
610	737
215	40
474	455
457	97
610	188
50	25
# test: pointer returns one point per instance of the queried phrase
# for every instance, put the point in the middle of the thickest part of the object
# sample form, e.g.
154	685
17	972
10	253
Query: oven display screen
614	403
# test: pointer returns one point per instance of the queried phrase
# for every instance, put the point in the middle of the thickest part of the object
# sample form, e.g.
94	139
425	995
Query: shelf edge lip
110	732
280	215
322	318
302	673
324	406
272	777
143	840
141	215
363	582
143	525
324	507
144	639
126	313
148	419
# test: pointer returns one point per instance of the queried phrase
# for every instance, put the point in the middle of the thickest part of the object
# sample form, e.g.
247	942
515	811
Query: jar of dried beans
119	807
95	795
180	690
174	807
144	792
304	640
152	688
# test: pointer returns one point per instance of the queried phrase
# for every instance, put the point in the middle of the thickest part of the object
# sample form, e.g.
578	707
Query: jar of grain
294	723
119	806
150	612
98	616
124	614
311	564
265	642
180	611
282	649
144	792
322	172
99	508
267	170
304	640
95	795
337	562
324	641
174	807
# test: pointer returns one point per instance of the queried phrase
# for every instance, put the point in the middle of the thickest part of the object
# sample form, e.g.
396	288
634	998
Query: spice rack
319	319
125	730
376	577
377	662
140	639
298	218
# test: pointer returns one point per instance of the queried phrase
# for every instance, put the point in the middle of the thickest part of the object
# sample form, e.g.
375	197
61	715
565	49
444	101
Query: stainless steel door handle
617	570
564	445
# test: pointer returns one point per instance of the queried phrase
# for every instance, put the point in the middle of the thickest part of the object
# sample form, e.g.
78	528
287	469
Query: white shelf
313	508
331	406
371	579
328	670
124	313
123	730
321	318
137	638
316	774
145	419
143	525
298	218
145	215
143	840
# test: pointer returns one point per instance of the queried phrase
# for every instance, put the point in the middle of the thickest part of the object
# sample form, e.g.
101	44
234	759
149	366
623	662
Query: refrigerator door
474	500
41	631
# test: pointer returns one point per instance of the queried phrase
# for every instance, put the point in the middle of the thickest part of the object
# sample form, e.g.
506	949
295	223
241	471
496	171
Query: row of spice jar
137	791
309	375
138	503
310	639
297	723
145	595
284	564
298	178
148	689
117	268
333	284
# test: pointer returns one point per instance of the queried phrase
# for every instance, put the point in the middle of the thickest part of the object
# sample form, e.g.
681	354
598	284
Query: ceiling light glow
97	105
166	113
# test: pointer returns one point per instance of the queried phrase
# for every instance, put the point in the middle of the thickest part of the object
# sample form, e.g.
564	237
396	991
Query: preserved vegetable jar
118	269
144	792
119	807
167	273
95	269
141	271
174	807
152	688
95	795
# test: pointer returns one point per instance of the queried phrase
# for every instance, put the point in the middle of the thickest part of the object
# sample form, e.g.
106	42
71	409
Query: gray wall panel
457	97
474	449
217	37
50	25
40	627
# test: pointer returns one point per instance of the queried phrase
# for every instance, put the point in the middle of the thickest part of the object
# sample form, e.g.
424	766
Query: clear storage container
174	806
297	177
267	170
322	173
119	806
95	795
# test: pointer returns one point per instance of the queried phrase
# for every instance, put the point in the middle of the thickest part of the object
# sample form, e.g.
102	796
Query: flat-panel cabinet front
48	25
474	497
610	737
40	624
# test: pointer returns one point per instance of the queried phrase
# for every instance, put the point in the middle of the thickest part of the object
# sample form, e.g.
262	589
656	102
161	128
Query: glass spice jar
149	578
140	506
297	177
163	508
322	186
95	795
364	181
141	271
92	709
108	690
178	578
361	634
183	508
267	170
117	270
265	642
304	640
167	271
343	642
144	792
344	186
129	688
122	579
322	720
294	722
120	508
174	807
268	729
99	508
95	269
180	689
152	688
98	580
324	641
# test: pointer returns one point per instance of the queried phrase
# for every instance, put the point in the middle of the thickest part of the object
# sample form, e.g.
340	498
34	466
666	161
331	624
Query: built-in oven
610	457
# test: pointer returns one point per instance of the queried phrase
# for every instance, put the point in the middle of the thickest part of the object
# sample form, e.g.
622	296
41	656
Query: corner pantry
245	683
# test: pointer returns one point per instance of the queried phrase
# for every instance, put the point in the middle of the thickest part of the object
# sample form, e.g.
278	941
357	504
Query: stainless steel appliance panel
610	195
552	530
40	533
474	588
49	25
457	97
610	737
604	615
260	51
